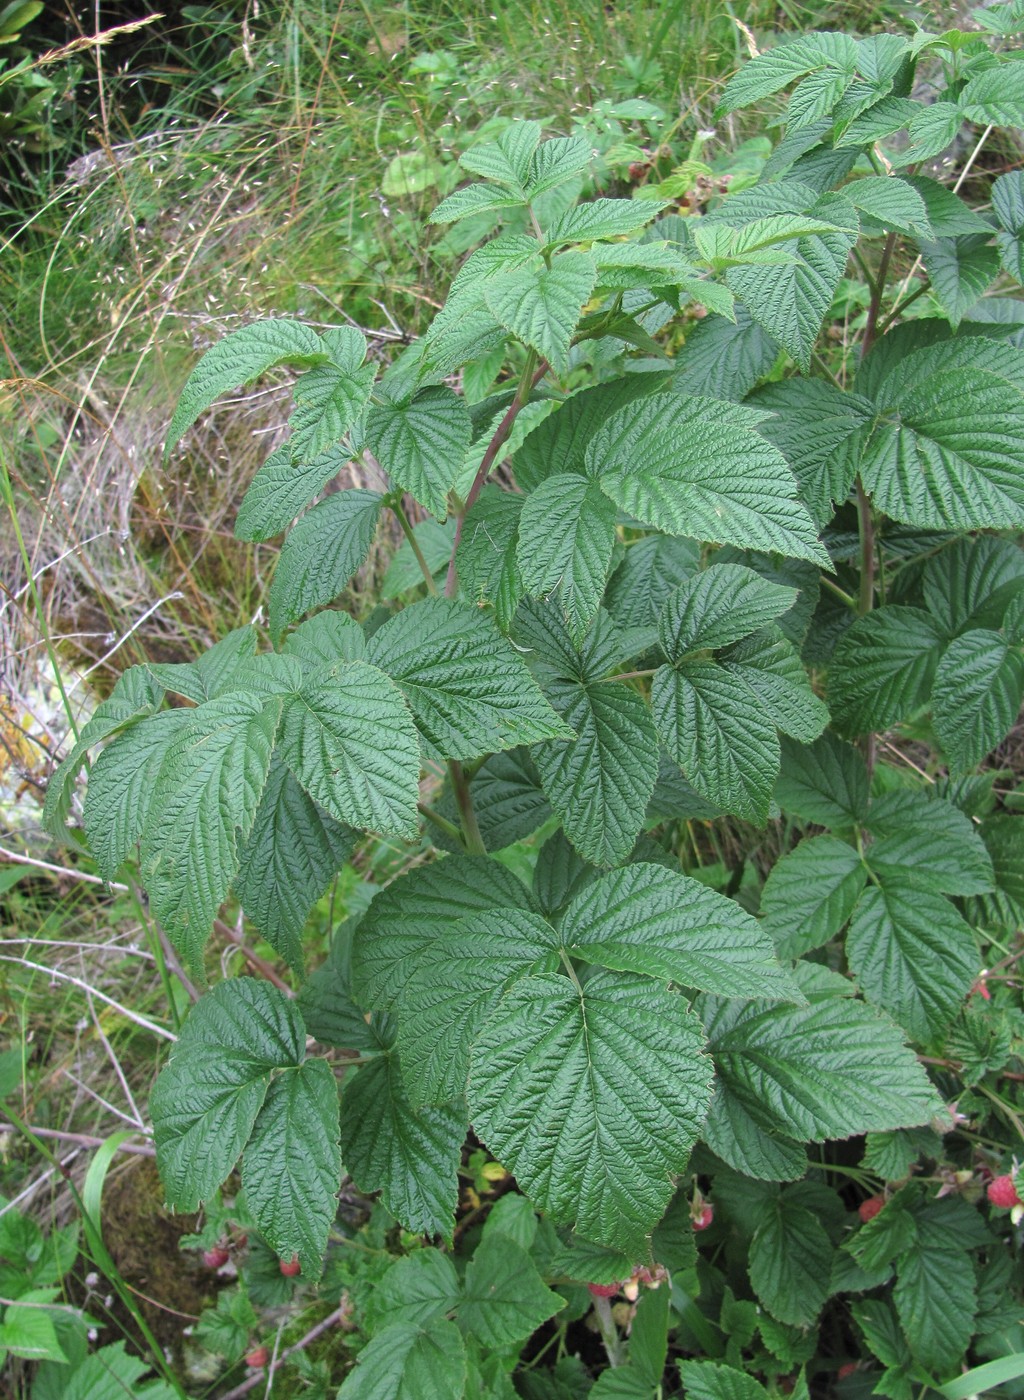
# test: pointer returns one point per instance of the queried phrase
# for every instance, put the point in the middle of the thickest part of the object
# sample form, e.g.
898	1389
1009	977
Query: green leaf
214	673
936	1299
600	783
204	803
321	553
948	215
1008	205
724	359
791	1263
652	569
405	1362
206	1098
831	1069
696	467
421	443
995	97
541	305
280	491
120	790
27	1331
505	1299
486	560
650	920
330	398
791	301
814	426
559	442
410	1158
566	537
892	202
291	1170
419	907
947	452
931	130
770	666
722	604
883	118
707	1380
961	270
614	1072
293	852
330	739
600	218
404	573
927	843
509	800
507	160
882	668
712	725
416	1289
810	894
110	1373
325	640
979	688
557	160
737	1138
970	582
474	199
912	954
456	984
239	359
468	689
770	72
825	782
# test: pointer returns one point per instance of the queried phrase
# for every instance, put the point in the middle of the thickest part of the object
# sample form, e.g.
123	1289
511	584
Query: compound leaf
421	443
541	305
722	604
281	490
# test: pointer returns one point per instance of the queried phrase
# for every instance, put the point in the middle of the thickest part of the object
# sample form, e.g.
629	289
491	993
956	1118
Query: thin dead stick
142	1021
18	859
84	1140
330	1321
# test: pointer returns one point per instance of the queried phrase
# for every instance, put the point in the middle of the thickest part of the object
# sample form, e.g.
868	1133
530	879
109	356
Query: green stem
901	306
866	527
609	1332
471	838
442	823
532	374
414	545
838	592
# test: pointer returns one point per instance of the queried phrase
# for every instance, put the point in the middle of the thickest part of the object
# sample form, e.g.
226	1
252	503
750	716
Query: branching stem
414	545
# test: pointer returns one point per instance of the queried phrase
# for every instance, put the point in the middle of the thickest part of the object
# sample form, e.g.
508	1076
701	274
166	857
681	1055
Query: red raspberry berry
1002	1192
704	1216
867	1210
291	1267
216	1257
257	1358
604	1290
847	1370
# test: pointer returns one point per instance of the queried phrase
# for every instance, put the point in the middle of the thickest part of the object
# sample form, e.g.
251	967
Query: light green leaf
474	199
559	442
507	160
600	218
825	782
206	1098
121	784
912	954
566	537
330	398
931	130
410	1158
650	920
769	664
557	160
614	1072
791	1262
713	726
421	442
947	449
291	1169
697	467
722	604
293	852
541	305
27	1331
882	668
831	1069
416	1289
961	270
487	565
883	118
892	202
331	740
239	359
326	640
928	843
321	553
936	1299
979	688
110	1373
404	572
775	69
505	1299
995	97
203	804
791	301
405	1362
810	894
280	491
456	984
468	689
707	1380
419	907
212	674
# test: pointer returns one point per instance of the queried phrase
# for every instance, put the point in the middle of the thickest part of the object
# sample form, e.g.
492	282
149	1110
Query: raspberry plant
671	571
